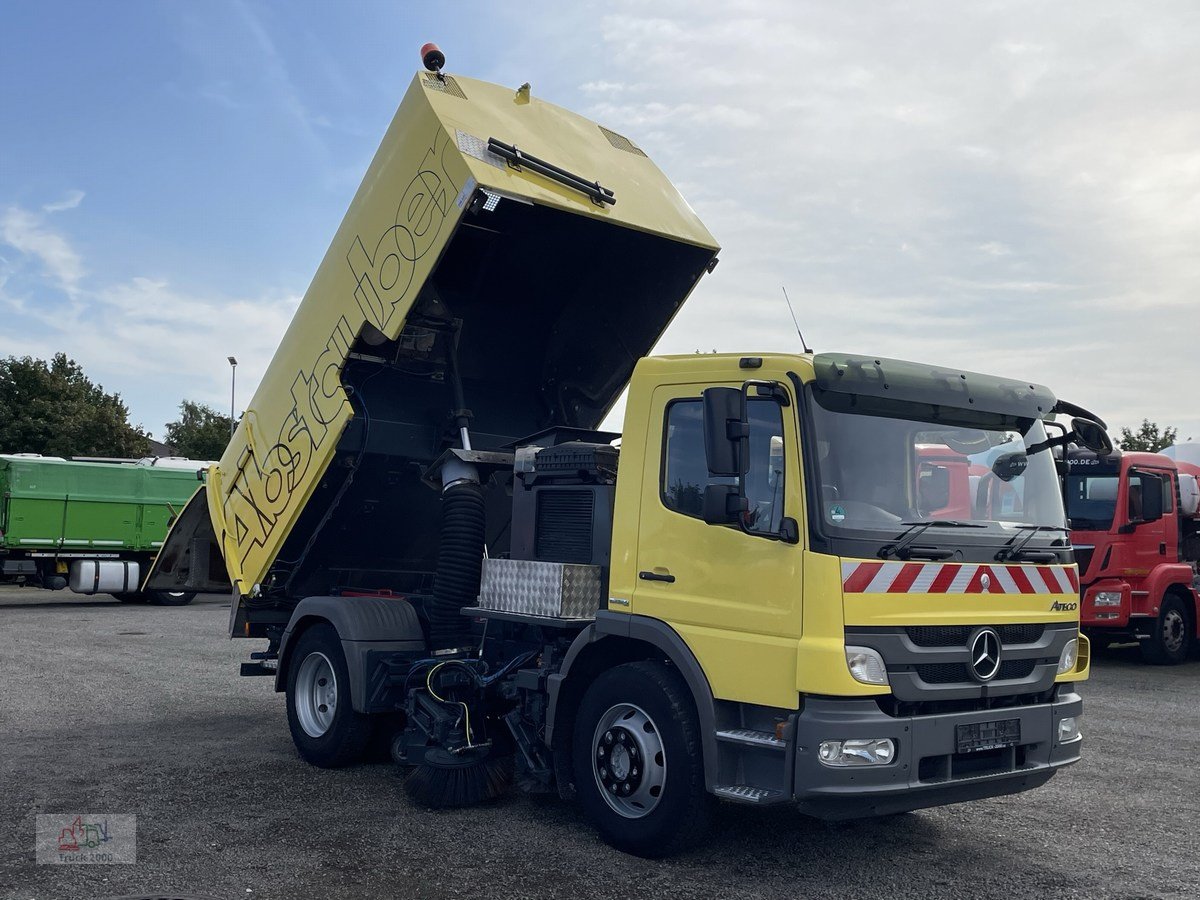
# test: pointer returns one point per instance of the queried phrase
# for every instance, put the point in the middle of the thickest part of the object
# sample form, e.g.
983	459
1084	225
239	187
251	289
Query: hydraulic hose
460	562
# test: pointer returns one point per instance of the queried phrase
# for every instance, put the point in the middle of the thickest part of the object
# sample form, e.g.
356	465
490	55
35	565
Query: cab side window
685	470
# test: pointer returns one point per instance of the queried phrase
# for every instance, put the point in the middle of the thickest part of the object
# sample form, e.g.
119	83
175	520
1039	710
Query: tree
1147	438
54	409
200	433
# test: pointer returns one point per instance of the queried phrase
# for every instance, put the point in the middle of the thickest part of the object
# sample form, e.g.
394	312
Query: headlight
1107	598
1069	656
857	752
866	665
1068	729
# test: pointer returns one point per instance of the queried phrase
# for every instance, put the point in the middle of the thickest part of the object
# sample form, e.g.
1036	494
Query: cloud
71	200
24	231
1012	188
155	343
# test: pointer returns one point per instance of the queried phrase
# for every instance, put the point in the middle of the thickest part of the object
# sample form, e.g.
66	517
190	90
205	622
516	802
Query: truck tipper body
1135	524
751	593
94	527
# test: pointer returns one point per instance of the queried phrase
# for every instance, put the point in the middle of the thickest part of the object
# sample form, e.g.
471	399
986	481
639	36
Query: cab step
749	738
744	793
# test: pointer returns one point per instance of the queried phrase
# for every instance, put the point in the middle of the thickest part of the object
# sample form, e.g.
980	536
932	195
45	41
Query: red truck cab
1134	539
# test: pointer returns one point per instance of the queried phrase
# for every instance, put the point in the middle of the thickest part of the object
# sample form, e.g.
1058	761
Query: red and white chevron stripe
956	578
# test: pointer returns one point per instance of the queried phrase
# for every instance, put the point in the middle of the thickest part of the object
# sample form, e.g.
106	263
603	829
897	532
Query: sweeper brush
446	780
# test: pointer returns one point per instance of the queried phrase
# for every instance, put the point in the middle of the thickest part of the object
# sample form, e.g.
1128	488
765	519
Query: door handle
655	576
1162	549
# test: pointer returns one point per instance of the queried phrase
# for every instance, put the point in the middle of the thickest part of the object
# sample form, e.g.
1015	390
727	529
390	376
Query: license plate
988	736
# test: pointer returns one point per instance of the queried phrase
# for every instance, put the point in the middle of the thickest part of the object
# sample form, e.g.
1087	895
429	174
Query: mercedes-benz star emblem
985	655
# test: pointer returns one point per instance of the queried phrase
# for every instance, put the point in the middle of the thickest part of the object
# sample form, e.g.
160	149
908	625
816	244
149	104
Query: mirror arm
1060	441
1062	406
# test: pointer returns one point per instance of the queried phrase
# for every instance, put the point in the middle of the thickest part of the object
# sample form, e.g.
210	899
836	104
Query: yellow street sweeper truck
761	591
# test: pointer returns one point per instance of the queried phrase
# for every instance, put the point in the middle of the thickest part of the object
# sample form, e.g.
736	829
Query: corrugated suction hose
460	561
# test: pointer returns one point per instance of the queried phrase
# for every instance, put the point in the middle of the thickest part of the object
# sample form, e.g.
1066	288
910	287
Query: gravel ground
132	709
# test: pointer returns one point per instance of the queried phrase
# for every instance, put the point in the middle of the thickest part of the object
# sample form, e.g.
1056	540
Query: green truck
94	527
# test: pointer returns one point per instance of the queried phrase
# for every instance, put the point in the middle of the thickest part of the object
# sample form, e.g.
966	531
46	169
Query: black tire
346	733
170	598
1174	633
681	810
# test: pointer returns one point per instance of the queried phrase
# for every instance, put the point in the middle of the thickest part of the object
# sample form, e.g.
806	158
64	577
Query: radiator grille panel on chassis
958	635
564	526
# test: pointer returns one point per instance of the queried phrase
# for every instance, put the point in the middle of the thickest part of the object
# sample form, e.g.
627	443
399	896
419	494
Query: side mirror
1092	436
726	432
723	504
1008	466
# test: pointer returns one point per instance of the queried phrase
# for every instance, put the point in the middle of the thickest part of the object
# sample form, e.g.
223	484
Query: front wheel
639	768
170	598
1173	635
325	728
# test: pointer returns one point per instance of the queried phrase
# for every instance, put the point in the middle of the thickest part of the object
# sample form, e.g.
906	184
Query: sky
1010	188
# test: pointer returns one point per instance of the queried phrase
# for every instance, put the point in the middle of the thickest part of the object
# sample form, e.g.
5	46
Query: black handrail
519	159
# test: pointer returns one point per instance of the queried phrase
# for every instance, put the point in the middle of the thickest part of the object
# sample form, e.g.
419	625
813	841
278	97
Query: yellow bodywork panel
765	619
736	598
431	163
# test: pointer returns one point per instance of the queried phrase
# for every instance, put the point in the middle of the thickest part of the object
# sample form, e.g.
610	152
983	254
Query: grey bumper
926	771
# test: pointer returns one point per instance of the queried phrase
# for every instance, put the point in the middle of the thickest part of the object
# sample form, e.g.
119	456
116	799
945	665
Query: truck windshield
1091	499
881	463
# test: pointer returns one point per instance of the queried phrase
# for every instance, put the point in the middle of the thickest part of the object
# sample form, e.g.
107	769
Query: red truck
1135	527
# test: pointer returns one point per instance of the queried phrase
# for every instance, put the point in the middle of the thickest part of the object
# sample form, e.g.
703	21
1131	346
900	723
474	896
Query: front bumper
926	770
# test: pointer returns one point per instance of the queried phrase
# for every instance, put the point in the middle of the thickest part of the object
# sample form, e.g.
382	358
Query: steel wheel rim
1172	630
629	762
316	694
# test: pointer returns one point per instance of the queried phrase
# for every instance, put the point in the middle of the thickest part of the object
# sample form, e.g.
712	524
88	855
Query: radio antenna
803	343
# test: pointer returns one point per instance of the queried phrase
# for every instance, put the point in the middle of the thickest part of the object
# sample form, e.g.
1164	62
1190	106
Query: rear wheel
325	728
638	763
170	598
1174	633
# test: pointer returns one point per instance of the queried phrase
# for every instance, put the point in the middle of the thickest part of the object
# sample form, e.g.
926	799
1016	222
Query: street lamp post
232	395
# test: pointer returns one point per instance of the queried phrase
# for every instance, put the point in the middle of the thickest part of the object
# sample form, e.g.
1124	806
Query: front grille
958	635
564	526
953	673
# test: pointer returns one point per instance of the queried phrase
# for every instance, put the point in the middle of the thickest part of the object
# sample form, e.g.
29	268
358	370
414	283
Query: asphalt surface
112	708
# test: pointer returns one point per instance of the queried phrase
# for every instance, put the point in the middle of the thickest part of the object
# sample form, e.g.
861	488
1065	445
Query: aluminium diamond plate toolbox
535	588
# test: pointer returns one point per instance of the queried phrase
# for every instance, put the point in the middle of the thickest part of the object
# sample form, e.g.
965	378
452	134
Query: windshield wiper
1019	550
902	547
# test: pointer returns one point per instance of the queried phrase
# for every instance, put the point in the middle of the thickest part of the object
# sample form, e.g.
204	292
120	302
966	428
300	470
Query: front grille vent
564	526
958	635
955	673
1083	556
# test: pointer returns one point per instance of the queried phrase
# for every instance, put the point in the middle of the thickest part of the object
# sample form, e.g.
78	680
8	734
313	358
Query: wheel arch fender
1187	594
614	639
362	624
1165	580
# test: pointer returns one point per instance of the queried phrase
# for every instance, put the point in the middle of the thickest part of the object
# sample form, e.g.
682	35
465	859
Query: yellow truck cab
754	592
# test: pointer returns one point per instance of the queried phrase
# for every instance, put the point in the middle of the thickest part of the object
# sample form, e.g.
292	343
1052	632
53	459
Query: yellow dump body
552	270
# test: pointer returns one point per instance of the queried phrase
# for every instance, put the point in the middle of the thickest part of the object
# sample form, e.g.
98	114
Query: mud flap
190	558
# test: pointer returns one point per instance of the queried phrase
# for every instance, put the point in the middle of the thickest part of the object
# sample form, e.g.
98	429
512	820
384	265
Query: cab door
1156	538
733	592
